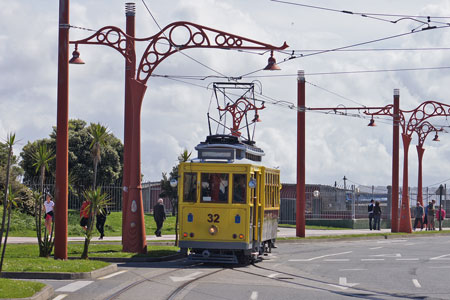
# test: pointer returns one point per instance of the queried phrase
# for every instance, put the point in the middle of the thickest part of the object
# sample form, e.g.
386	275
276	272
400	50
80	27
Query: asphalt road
402	268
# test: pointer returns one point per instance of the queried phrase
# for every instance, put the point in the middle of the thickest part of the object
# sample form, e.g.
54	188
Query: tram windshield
190	187
214	187
239	188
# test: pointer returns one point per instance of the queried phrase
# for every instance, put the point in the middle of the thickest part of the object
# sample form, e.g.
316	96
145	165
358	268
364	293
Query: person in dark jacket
418	214
376	216
101	219
159	214
370	211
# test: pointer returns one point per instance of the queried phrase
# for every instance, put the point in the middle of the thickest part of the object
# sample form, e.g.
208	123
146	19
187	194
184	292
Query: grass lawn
24	257
24	225
314	227
18	289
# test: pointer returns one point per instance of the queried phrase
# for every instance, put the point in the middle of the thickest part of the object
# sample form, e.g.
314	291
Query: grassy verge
18	289
316	227
24	257
24	225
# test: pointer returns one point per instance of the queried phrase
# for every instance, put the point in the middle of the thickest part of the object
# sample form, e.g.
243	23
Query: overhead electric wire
364	14
195	60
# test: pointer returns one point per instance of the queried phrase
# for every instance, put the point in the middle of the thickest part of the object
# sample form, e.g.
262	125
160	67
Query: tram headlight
212	230
241	236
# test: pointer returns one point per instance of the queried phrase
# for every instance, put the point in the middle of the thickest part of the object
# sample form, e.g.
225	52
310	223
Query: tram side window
214	187
190	187
239	188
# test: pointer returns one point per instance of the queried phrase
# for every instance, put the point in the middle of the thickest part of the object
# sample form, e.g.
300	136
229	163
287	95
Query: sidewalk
282	233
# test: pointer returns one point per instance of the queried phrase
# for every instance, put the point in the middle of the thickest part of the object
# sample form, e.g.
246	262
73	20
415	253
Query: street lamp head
76	60
436	138
272	63
372	123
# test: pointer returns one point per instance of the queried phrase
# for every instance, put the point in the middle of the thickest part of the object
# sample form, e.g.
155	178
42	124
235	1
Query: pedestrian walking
159	214
376	215
100	221
49	205
430	215
84	214
370	210
418	215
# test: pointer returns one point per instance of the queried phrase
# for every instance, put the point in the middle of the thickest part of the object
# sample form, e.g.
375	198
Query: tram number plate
213	218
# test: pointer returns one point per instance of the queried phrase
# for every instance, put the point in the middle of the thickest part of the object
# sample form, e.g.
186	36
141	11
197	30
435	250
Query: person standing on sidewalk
49	205
376	216
370	210
418	215
430	215
159	214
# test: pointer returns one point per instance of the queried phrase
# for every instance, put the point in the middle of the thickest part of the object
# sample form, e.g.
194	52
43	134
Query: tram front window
190	187
214	187
239	188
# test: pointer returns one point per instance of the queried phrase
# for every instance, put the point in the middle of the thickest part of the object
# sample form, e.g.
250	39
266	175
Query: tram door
256	209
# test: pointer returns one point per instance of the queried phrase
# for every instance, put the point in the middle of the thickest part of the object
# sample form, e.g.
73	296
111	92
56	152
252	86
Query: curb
139	259
60	276
365	237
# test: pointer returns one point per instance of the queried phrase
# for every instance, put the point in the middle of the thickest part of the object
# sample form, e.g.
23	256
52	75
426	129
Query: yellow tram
228	202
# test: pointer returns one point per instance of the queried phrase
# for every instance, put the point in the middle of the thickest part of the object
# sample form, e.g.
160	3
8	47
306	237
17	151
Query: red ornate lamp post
422	132
198	36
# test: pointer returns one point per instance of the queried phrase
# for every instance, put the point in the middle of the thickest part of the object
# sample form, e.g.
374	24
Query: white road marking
314	258
112	275
352	269
408	259
343	282
273	275
74	286
387	255
409	244
60	297
440	267
442	257
337	259
372	259
339	286
375	248
185	278
254	295
416	283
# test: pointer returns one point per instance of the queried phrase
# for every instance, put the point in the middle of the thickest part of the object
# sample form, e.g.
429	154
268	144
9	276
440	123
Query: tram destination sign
229	154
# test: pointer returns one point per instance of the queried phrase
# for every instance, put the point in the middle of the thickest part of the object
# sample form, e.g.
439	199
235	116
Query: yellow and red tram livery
228	202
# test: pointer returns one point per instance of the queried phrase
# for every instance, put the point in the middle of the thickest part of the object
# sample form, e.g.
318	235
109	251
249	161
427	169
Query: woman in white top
49	204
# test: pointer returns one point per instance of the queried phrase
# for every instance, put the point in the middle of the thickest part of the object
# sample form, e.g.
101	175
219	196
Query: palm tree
98	202
41	159
99	134
10	141
11	201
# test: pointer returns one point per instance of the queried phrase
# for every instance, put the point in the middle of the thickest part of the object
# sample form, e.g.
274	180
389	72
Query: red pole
135	227
395	161
405	213
130	70
62	140
420	152
301	145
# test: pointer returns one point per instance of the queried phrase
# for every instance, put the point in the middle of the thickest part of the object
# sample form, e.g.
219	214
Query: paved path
282	232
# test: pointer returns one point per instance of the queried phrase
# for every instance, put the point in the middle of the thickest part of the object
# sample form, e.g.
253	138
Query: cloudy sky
174	111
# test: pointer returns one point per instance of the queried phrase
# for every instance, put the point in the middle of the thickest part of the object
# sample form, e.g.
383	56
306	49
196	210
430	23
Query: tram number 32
213	218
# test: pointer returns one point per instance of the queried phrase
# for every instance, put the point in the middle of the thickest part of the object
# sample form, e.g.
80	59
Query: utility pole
345	183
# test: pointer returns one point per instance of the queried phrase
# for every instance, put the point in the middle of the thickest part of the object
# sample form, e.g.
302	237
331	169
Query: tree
99	134
42	157
98	202
10	141
80	159
12	198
